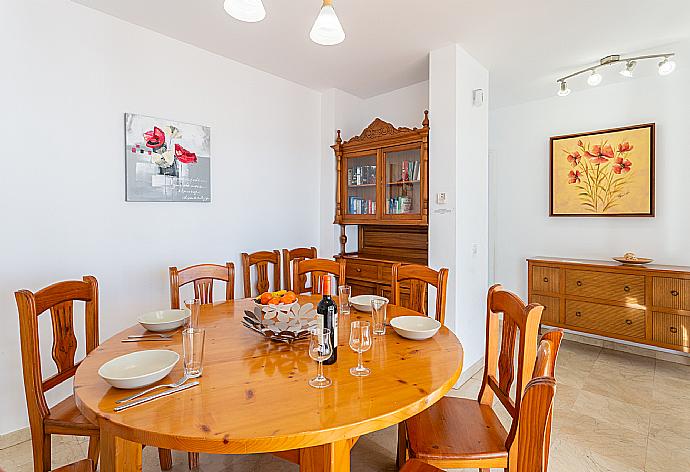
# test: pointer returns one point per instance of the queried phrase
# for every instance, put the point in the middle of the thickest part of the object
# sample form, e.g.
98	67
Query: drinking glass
193	348
378	314
360	341
194	305
344	292
320	349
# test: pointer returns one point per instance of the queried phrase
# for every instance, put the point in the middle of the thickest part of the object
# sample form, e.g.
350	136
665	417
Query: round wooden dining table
254	397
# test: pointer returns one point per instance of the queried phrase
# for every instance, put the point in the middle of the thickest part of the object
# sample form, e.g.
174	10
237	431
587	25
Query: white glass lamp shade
250	11
628	70
563	90
594	79
666	66
327	29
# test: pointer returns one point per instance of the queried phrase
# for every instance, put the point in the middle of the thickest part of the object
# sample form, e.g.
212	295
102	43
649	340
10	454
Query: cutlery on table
156	396
136	340
151	389
151	335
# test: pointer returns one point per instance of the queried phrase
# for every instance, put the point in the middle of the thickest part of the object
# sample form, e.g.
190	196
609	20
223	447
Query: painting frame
651	157
166	160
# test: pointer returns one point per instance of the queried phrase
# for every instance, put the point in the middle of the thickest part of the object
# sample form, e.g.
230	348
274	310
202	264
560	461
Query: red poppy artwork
166	160
603	173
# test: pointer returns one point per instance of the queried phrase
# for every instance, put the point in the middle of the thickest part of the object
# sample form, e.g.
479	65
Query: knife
158	395
144	340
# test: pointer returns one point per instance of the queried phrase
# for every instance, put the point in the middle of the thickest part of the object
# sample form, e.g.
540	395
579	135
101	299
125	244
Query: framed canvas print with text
603	173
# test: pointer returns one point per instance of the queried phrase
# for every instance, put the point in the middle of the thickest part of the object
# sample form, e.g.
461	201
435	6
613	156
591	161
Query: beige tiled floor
615	412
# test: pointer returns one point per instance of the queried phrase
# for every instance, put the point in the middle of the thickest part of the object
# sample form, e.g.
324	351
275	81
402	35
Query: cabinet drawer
605	285
551	308
671	293
385	272
363	288
673	329
605	318
361	270
545	279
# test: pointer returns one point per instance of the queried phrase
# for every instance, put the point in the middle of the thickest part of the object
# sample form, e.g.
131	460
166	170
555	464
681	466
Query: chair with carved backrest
419	277
533	433
202	276
467	433
261	260
290	255
316	268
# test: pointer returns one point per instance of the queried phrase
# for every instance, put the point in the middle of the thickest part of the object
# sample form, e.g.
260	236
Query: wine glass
360	341
320	349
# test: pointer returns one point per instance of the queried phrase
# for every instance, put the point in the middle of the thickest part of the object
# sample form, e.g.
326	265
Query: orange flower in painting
625	147
574	177
622	166
600	154
574	158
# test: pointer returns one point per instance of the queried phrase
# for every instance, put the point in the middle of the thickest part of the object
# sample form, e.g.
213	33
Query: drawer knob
579	283
628	322
546	279
673	329
358	269
674	293
577	313
626	289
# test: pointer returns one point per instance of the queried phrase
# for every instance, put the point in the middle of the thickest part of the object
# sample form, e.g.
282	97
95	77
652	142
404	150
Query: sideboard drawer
669	328
551	308
606	318
671	293
545	279
605	285
361	270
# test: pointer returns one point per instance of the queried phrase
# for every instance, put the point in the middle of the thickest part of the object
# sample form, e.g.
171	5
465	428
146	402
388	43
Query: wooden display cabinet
382	186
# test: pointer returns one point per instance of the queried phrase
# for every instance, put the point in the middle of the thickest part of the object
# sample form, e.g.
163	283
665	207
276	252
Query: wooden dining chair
261	260
290	255
203	276
419	278
316	268
85	465
536	412
467	433
63	418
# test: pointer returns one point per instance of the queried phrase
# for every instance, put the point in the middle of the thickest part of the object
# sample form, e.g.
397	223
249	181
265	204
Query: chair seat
419	466
457	429
65	418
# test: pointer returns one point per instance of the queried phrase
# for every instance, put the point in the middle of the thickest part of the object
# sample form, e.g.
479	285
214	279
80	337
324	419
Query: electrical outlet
441	198
475	249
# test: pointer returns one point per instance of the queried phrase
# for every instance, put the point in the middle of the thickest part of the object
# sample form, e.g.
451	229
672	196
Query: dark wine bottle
328	309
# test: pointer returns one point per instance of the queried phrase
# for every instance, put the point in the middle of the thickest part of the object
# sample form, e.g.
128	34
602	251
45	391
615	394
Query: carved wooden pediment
376	130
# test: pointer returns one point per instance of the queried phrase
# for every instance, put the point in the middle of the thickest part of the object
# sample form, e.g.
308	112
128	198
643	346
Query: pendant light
594	79
563	90
250	11
666	66
327	30
628	70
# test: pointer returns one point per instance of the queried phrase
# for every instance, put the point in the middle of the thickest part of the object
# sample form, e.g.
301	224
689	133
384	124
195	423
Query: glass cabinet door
403	189
360	185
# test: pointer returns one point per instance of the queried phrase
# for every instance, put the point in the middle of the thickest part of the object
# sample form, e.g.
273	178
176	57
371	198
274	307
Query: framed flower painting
166	161
603	173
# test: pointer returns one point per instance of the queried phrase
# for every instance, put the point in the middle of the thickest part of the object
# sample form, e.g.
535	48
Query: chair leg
193	458
165	458
45	454
401	456
94	449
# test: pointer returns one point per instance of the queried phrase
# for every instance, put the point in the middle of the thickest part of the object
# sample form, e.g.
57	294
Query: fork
155	387
150	335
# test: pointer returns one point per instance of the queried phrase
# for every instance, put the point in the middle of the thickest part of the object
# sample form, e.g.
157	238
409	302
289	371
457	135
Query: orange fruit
288	298
274	301
265	297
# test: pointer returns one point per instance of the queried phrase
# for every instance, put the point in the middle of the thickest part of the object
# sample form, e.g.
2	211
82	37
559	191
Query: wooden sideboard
647	304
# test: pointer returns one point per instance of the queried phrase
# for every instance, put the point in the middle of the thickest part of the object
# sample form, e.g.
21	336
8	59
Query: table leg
333	457
117	454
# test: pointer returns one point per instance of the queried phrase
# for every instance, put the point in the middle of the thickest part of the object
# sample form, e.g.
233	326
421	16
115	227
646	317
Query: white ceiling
525	45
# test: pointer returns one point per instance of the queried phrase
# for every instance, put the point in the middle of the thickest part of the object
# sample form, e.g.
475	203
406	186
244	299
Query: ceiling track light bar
615	59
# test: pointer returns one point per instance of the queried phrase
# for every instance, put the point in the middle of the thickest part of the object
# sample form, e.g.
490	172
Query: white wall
69	74
458	163
520	144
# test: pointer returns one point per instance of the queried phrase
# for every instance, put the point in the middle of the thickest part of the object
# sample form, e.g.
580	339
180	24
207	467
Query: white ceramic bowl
164	320
363	302
138	369
415	327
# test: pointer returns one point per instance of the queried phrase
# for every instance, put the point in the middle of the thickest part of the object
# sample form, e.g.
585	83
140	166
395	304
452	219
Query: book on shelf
361	206
404	171
361	175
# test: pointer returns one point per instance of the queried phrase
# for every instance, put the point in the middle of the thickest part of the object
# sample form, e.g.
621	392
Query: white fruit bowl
138	369
164	320
363	302
415	327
